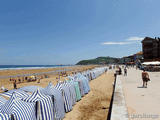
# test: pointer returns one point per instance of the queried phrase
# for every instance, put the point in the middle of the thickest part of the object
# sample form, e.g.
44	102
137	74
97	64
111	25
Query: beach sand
95	105
43	82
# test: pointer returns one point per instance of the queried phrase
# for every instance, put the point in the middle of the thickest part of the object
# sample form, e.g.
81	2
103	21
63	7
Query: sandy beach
94	105
43	82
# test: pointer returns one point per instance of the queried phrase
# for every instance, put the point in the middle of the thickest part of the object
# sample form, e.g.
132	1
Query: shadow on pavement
140	87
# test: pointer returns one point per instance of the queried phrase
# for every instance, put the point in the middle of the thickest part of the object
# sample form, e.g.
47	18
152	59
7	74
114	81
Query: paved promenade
142	103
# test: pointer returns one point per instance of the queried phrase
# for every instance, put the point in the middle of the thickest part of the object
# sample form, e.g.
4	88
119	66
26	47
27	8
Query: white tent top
151	63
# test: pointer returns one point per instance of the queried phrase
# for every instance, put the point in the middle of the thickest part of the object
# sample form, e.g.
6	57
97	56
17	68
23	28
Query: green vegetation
99	60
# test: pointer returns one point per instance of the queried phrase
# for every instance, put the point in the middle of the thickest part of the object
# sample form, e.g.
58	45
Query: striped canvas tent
80	83
72	91
58	100
4	116
77	90
88	75
86	83
19	93
45	105
2	101
66	96
76	86
21	110
30	88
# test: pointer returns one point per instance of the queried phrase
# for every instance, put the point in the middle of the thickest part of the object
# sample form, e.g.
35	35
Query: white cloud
130	40
135	38
116	43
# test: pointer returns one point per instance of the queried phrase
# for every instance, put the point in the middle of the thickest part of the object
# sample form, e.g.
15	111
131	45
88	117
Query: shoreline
23	67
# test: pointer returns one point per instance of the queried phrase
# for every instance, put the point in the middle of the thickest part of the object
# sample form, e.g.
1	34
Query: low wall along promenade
119	109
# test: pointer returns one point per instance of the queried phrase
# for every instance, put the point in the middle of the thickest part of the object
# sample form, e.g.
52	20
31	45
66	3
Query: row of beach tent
49	103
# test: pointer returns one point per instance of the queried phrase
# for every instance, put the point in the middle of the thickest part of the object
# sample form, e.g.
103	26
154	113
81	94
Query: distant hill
99	60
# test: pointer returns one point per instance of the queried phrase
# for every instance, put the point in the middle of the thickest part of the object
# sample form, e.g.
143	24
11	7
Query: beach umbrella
58	100
66	96
45	105
21	110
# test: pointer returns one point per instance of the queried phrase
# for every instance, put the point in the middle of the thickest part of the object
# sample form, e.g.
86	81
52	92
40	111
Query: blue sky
66	31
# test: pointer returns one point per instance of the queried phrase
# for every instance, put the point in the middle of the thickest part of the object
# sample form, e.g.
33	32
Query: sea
10	67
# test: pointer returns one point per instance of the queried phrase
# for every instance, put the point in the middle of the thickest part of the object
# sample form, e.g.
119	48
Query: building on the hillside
151	49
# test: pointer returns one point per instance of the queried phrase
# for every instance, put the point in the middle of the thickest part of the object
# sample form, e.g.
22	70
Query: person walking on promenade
145	78
120	71
125	71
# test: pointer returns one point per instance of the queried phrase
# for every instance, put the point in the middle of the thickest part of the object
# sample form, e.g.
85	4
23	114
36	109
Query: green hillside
99	60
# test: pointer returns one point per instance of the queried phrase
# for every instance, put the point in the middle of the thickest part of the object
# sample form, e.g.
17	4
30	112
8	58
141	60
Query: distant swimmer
145	78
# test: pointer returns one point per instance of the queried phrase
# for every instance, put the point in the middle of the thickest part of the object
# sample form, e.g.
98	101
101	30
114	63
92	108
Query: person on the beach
145	78
4	89
125	71
15	84
19	79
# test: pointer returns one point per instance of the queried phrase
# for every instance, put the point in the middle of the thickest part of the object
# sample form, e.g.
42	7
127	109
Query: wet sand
95	105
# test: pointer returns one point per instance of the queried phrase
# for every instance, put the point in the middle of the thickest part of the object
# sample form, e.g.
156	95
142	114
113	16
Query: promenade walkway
142	103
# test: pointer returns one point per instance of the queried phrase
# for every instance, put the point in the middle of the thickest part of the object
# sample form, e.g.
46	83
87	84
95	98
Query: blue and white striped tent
66	96
76	86
84	83
45	105
21	110
4	116
30	88
19	93
2	101
81	86
72	91
58	100
98	71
